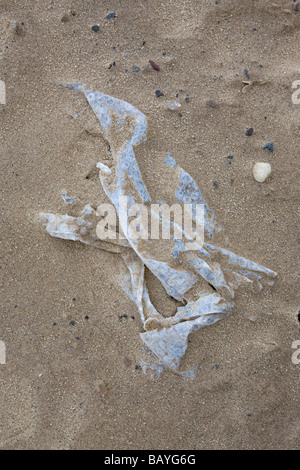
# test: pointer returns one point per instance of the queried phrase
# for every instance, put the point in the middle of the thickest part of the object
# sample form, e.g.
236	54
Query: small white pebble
261	171
174	105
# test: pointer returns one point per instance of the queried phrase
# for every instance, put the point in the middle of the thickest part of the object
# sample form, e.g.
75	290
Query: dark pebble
135	68
187	99
249	131
230	157
215	185
120	318
74	299
269	146
86	317
159	93
298	316
154	65
247	74
72	323
111	16
65	19
138	367
95	28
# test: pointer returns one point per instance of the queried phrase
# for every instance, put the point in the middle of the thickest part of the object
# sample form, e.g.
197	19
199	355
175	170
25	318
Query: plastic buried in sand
180	270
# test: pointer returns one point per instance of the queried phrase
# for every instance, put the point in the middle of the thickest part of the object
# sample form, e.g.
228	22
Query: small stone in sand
111	16
95	28
269	146
249	131
174	105
154	65
261	171
159	93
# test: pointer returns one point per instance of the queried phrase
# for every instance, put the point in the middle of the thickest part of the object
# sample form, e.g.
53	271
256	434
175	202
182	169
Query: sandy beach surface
72	378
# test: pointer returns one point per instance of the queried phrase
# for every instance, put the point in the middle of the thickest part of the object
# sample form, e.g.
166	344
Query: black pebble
298	316
72	323
269	146
120	318
86	317
249	131
215	185
159	93
247	74
110	16
95	28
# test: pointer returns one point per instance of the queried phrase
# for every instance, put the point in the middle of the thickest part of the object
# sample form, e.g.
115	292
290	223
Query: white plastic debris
104	168
261	171
167	337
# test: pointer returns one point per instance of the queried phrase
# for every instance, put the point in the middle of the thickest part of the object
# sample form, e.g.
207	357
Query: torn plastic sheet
167	337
